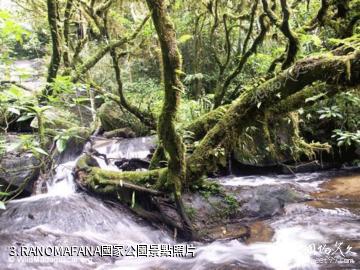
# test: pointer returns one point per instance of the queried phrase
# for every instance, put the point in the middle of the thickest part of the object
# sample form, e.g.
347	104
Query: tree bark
168	136
52	10
206	122
101	52
67	17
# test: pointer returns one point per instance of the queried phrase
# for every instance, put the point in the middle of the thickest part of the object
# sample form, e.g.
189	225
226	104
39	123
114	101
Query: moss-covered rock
57	118
120	133
112	117
256	145
18	169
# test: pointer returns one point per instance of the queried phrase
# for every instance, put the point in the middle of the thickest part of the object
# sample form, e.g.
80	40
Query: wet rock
268	200
307	167
56	118
213	218
66	222
228	231
132	164
121	132
19	169
253	147
345	187
260	232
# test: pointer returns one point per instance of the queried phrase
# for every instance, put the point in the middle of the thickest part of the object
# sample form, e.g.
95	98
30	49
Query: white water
126	148
65	217
63	183
311	181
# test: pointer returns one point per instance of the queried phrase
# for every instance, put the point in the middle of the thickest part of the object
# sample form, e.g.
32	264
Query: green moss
112	117
159	156
233	204
267	134
101	176
191	212
203	124
209	188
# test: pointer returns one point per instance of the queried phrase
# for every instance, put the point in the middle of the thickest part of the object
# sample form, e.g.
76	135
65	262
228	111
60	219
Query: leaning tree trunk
337	70
168	136
52	10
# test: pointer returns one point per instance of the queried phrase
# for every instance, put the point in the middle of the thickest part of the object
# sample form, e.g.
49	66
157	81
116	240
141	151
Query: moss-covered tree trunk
67	16
168	136
340	70
52	10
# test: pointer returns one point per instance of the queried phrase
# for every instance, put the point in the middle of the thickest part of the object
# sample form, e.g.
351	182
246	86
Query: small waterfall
63	217
63	183
114	150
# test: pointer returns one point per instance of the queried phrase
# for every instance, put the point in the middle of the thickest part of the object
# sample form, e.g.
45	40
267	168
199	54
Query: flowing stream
65	217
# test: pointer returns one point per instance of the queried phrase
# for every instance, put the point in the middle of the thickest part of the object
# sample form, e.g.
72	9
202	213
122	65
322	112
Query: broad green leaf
34	123
40	151
14	146
15	91
25	117
61	145
2	205
314	98
185	38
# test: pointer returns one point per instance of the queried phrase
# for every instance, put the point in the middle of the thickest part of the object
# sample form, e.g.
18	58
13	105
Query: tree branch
93	60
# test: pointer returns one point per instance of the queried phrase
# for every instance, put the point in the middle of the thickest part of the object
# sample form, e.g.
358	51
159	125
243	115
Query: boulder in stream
113	118
120	133
19	169
268	200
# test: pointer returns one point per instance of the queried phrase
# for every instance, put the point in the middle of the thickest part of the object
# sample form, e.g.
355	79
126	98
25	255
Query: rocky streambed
301	221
